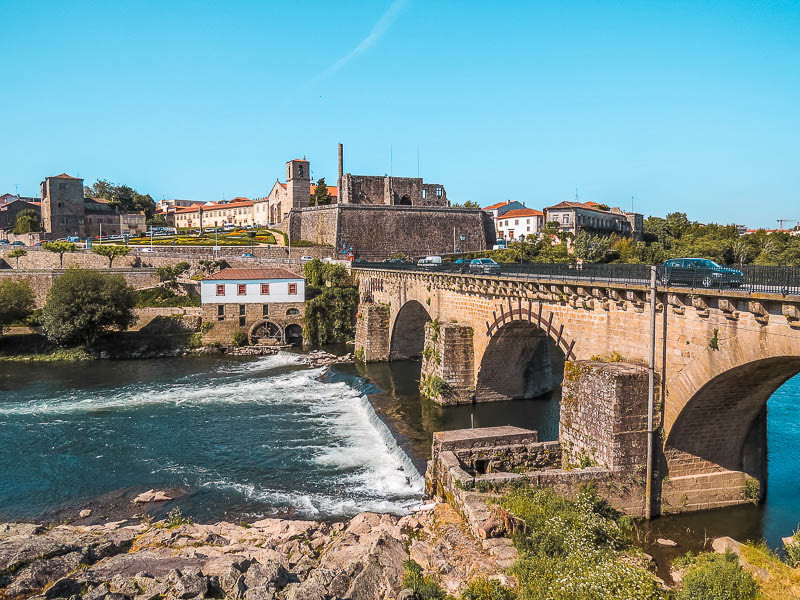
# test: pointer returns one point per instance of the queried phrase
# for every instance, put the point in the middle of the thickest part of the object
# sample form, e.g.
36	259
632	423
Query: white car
306	258
147	249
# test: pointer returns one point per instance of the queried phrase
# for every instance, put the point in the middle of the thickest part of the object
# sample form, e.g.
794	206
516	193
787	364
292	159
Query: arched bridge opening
520	362
722	429
408	334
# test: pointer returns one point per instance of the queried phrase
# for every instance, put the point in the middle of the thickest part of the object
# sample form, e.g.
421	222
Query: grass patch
712	576
783	582
574	549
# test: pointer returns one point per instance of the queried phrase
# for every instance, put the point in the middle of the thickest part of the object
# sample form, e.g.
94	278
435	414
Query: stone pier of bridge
720	356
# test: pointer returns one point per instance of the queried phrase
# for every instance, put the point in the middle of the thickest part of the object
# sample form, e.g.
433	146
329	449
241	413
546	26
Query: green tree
123	196
591	248
320	195
60	247
16	301
467	204
28	221
169	274
17	253
82	304
111	252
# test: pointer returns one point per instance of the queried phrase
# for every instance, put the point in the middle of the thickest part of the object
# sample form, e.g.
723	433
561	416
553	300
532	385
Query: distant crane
782	221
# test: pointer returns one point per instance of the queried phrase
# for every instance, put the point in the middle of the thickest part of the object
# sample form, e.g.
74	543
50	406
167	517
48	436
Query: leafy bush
793	550
16	302
163	297
717	577
82	304
240	338
752	490
486	589
574	549
424	588
175	519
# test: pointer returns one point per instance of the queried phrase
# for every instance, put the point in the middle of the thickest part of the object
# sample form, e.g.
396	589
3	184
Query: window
565	219
220	312
292	288
60	205
62	186
516	221
242	309
241	289
424	193
293	311
439	191
220	289
265	310
241	321
301	170
265	289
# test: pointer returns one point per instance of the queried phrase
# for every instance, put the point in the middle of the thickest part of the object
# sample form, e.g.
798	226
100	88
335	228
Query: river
245	438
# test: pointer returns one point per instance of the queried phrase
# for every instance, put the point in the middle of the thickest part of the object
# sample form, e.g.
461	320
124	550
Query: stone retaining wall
42	281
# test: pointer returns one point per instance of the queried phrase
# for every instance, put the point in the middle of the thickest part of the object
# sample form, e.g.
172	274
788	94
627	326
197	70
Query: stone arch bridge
720	355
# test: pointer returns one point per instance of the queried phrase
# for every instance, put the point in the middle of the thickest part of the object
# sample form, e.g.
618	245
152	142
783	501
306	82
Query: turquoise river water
253	437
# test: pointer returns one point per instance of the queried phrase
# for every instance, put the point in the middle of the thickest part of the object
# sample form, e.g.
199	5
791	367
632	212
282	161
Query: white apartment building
519	223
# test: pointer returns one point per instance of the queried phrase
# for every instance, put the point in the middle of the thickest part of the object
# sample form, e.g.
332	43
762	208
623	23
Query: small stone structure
447	357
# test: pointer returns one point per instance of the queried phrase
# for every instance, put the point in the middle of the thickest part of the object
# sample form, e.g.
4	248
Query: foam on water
325	436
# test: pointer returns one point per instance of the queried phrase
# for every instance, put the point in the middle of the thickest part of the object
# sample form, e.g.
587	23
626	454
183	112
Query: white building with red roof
266	304
519	223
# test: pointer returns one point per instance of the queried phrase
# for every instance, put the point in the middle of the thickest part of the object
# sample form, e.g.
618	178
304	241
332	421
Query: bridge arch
520	362
722	426
408	332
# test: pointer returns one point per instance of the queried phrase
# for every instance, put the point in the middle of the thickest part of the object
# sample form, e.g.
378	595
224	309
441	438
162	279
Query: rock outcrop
273	558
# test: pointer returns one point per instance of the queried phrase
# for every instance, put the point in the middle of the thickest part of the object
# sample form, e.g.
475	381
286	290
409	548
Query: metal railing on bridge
750	278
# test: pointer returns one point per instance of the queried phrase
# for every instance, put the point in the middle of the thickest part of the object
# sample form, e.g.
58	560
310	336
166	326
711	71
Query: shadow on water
413	419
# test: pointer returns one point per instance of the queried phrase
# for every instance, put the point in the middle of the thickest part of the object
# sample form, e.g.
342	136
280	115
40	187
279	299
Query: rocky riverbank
361	559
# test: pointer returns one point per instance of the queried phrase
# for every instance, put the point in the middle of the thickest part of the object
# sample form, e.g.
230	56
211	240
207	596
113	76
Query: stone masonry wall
372	332
223	328
448	356
42	281
375	232
38	258
604	415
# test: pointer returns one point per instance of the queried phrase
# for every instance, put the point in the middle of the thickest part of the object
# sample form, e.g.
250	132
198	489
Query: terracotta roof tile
498	205
251	274
521	212
64	176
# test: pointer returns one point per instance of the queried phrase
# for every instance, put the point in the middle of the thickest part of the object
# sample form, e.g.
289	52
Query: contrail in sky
378	30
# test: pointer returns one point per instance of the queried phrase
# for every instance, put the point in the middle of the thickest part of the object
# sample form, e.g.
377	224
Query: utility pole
651	371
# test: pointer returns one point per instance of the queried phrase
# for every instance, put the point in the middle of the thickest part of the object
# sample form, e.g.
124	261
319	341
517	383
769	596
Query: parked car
394	261
701	272
146	249
4	242
248	255
306	258
485	266
500	245
17	243
74	239
429	262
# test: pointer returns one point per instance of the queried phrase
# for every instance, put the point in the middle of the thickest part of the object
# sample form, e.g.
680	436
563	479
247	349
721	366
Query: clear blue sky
688	106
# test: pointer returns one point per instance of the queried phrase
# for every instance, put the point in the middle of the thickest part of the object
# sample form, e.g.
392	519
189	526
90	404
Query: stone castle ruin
376	215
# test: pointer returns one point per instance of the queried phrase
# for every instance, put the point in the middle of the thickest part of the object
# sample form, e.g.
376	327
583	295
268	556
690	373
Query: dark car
699	272
394	261
17	243
485	266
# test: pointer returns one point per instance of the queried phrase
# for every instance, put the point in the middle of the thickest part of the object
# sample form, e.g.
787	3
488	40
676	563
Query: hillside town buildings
66	212
519	223
11	205
266	304
595	218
